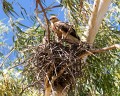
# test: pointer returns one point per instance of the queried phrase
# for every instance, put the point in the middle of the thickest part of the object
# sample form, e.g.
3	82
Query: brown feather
65	27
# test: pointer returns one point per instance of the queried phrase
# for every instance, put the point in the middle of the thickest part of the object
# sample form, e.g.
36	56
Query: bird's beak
49	20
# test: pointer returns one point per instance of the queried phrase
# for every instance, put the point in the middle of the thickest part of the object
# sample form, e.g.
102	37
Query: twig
30	85
6	57
40	22
26	60
60	73
99	50
46	19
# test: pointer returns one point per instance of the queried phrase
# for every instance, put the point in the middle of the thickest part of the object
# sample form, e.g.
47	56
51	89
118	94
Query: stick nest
58	63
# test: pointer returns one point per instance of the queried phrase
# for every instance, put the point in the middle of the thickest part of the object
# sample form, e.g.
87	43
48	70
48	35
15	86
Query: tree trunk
59	91
100	7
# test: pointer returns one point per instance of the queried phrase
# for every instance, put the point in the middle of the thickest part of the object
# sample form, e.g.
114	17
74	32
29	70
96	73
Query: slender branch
99	50
15	65
46	19
40	22
58	75
6	57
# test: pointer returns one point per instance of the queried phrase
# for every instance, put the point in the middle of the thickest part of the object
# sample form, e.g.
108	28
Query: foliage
3	30
11	80
101	72
105	65
11	84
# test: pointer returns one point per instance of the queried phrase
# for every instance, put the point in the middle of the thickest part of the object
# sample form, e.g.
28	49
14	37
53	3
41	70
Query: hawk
63	31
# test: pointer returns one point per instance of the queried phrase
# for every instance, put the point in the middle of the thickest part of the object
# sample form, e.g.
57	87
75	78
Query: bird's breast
53	27
56	31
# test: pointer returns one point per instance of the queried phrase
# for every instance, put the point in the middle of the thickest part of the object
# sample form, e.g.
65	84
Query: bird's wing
65	27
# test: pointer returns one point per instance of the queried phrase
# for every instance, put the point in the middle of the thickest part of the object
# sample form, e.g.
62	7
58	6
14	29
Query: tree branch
6	57
99	10
46	19
39	21
91	52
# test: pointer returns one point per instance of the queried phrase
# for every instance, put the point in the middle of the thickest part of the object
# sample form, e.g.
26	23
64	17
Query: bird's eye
51	18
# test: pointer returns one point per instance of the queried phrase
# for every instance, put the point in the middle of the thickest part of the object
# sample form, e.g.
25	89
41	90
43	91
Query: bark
38	2
92	52
99	10
49	84
100	7
59	91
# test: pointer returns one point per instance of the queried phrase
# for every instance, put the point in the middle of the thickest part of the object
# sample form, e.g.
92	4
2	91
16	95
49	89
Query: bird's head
53	19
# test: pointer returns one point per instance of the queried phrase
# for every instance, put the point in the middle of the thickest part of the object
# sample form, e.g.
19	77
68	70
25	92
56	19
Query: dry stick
46	19
67	33
99	50
73	39
60	73
26	60
15	66
40	22
55	77
36	12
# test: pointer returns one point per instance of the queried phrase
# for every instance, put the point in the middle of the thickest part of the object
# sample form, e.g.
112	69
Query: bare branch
92	52
40	22
58	75
46	19
6	57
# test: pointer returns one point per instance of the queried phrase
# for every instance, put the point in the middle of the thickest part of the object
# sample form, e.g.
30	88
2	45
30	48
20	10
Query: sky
29	6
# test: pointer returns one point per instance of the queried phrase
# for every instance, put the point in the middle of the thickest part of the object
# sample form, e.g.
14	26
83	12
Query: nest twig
58	62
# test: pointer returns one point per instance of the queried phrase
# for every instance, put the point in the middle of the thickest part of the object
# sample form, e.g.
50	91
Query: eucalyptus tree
97	23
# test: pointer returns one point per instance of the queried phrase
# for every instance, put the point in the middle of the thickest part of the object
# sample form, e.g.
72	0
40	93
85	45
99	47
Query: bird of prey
63	31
